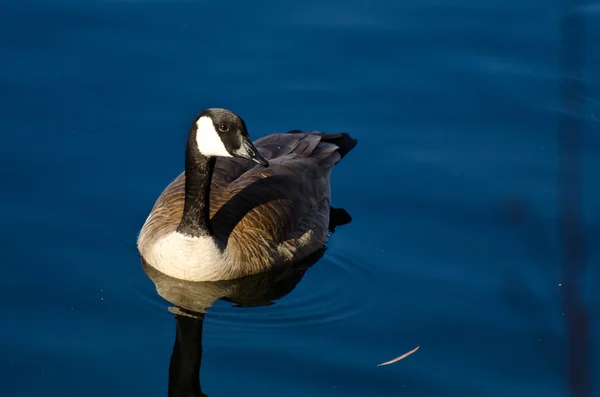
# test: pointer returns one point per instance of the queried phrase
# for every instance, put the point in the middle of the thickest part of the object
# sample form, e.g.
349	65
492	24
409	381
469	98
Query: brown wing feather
165	214
273	207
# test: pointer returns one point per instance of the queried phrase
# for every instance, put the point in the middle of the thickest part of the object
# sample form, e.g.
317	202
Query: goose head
220	132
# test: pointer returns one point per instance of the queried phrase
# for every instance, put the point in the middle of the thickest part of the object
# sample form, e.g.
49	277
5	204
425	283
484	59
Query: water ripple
339	287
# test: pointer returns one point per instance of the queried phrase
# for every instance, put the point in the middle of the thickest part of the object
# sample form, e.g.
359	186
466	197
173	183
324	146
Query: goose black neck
198	176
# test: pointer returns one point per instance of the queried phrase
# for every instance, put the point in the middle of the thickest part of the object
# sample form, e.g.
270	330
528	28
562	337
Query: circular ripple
337	287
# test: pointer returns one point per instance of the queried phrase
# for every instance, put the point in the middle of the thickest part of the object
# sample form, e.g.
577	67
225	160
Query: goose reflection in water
192	299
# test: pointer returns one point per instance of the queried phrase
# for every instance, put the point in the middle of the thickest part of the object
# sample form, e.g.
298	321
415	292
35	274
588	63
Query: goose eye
223	127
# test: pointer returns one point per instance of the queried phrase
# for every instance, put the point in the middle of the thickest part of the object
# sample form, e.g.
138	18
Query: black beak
250	152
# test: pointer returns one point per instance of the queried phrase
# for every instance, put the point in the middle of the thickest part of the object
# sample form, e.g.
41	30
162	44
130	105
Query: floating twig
399	358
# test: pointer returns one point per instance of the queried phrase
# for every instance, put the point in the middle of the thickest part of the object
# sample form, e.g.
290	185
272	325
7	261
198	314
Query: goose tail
343	141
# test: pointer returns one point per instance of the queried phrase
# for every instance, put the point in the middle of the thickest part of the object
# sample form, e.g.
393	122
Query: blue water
452	188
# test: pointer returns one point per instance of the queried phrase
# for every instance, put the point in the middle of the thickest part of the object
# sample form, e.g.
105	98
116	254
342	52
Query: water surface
455	106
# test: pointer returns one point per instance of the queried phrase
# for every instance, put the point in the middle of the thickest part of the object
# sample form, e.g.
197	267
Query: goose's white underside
188	258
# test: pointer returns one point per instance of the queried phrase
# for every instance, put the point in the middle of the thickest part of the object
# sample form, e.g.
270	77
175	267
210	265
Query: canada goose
241	208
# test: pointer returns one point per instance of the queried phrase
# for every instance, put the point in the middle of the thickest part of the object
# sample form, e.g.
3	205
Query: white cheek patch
208	140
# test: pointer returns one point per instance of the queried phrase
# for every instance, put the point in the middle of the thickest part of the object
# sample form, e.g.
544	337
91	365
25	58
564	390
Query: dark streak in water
570	202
